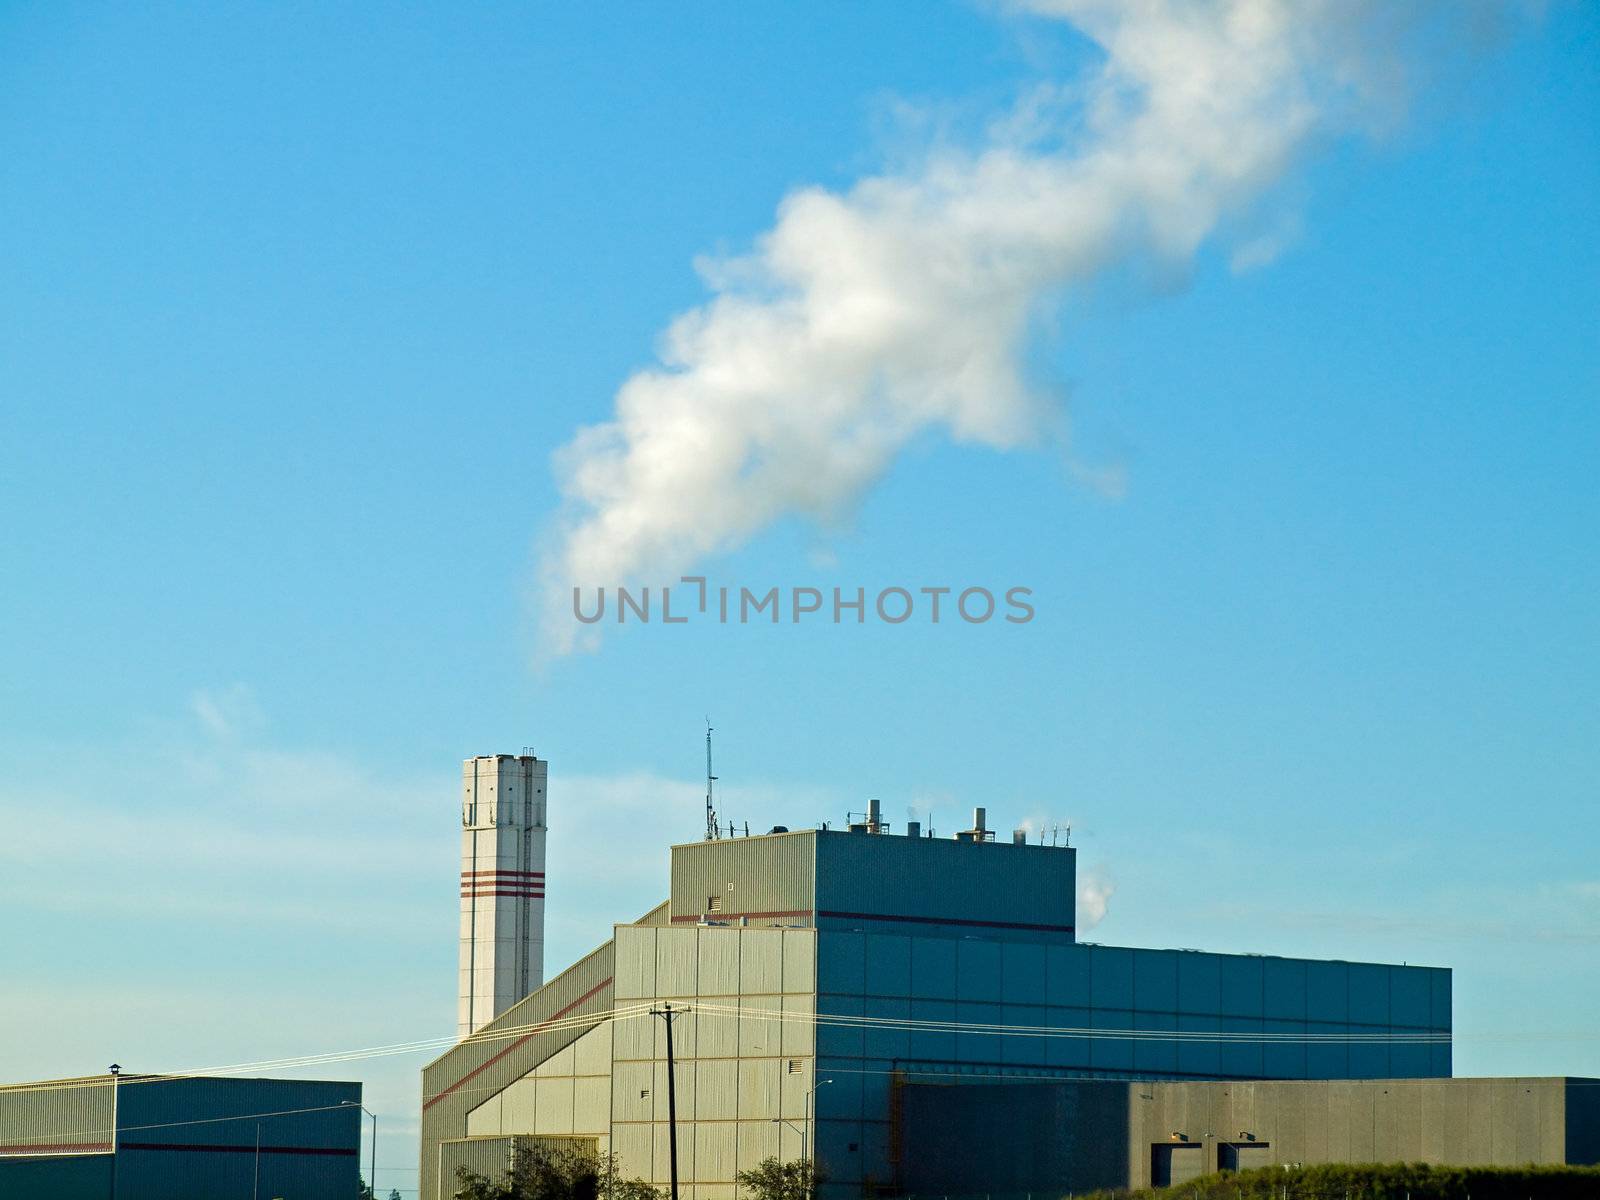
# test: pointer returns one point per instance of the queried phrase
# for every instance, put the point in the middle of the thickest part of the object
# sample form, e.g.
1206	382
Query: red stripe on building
515	874
58	1148
205	1148
430	1101
503	892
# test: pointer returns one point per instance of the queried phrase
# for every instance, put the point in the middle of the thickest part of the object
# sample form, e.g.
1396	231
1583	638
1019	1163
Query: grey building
1012	1139
820	973
151	1137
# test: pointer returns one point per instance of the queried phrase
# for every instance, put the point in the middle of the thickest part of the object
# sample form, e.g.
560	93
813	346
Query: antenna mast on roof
711	813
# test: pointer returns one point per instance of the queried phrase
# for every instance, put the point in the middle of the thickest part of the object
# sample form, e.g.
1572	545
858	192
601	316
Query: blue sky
297	304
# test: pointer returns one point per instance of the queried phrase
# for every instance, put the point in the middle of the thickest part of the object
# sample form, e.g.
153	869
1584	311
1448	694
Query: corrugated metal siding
506	1050
978	981
486	1156
732	1076
182	1138
80	1177
192	1138
918	880
67	1116
770	879
212	1111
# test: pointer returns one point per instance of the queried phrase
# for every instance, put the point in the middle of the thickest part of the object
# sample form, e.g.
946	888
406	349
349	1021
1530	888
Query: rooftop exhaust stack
502	884
913	829
871	820
1019	837
977	833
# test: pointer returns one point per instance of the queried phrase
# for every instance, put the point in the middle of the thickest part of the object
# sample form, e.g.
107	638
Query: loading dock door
1243	1156
1175	1162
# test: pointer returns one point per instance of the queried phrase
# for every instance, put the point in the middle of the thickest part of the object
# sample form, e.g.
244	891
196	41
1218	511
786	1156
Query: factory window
713	903
794	1066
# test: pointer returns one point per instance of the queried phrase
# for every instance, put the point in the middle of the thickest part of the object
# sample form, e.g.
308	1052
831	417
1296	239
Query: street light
372	1182
811	1104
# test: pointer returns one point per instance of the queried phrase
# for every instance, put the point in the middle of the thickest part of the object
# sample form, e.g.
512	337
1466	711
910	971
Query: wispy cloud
211	824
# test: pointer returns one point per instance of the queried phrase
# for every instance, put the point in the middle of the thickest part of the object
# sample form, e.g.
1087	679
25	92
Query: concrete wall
503	804
1462	1122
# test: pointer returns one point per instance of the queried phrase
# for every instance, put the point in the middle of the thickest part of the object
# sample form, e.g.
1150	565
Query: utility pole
667	1013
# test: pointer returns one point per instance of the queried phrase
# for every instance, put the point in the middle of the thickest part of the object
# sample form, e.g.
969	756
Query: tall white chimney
502	884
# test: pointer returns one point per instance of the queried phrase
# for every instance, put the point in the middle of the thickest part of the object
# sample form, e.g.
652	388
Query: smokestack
874	817
502	885
979	815
913	828
1019	837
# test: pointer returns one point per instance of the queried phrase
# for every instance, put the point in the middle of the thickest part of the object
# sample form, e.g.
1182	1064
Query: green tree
542	1172
774	1180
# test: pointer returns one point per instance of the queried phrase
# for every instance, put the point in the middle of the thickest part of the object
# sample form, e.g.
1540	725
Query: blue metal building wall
195	1139
67	1177
1000	891
974	980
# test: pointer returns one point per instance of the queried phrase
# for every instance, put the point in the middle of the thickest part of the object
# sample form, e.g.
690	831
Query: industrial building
162	1137
816	976
1088	1134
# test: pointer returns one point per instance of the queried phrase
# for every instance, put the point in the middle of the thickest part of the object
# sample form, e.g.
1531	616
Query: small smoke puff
1095	889
867	318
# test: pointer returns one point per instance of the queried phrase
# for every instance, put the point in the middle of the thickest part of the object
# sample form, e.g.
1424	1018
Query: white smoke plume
904	304
1095	889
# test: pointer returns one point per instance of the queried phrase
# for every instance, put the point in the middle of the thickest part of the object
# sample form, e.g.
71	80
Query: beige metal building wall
567	1095
767	880
745	1051
59	1116
503	1052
